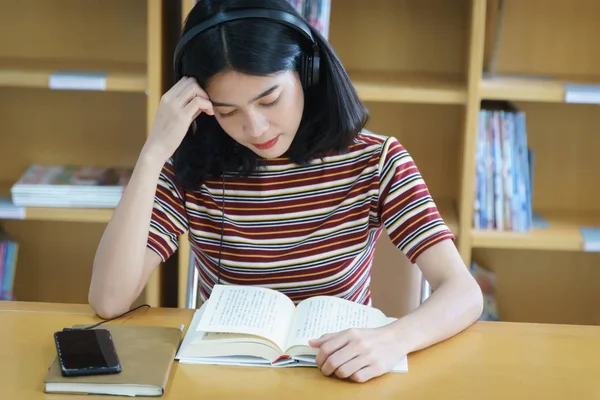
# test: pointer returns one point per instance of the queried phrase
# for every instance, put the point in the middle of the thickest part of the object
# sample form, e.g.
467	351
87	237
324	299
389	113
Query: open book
248	325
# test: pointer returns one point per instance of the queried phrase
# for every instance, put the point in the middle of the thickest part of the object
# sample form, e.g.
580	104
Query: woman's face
260	112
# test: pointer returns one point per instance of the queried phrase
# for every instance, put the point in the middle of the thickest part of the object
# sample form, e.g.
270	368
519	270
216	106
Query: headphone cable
222	215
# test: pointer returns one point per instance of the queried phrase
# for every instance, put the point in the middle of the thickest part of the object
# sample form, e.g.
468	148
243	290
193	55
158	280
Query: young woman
259	151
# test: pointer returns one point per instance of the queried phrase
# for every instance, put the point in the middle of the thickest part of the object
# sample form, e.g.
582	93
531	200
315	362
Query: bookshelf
99	126
532	89
120	77
423	68
68	214
409	87
545	275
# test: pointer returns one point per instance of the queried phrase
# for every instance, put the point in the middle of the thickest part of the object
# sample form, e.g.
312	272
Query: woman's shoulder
369	139
378	145
366	146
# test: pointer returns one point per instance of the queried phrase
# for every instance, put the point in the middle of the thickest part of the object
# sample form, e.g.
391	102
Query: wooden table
487	361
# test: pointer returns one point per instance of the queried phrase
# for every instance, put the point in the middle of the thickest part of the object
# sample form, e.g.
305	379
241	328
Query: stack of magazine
70	186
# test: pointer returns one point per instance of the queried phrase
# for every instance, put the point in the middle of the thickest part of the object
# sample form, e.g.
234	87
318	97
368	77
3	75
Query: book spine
10	267
498	184
3	265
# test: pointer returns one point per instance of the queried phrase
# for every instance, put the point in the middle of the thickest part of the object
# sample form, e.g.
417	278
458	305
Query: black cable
108	320
222	215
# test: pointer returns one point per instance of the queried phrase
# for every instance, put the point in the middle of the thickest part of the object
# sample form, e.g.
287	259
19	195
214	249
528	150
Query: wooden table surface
490	360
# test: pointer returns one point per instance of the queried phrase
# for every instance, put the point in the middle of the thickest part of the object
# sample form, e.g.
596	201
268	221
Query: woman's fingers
177	88
197	105
191	91
188	98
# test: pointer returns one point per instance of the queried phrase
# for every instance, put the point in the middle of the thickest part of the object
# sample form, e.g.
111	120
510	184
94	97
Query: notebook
146	354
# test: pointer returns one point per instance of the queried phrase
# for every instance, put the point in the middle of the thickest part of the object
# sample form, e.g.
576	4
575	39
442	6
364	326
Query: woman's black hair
333	113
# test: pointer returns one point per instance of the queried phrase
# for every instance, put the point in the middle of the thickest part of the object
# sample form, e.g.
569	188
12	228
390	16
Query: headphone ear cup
309	68
304	71
315	69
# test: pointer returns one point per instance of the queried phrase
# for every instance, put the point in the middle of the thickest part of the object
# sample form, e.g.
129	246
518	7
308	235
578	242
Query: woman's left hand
359	354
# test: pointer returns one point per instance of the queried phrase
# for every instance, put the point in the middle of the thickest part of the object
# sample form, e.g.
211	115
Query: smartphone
86	352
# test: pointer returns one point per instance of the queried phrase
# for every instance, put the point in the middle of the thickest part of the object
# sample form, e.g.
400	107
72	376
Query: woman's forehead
236	88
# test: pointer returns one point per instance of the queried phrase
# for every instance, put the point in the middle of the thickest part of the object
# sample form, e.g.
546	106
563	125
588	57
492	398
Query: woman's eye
225	115
272	103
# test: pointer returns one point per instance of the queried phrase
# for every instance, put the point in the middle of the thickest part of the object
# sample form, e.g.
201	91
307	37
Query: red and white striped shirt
302	230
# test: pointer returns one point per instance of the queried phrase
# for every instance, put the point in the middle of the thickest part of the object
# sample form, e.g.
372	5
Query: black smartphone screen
86	352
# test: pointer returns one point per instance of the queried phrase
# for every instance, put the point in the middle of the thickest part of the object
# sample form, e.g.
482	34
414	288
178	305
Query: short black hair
333	113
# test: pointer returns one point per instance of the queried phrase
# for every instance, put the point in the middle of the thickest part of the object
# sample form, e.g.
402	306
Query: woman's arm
456	302
123	262
413	222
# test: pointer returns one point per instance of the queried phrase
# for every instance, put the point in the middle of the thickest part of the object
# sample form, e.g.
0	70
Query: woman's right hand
177	109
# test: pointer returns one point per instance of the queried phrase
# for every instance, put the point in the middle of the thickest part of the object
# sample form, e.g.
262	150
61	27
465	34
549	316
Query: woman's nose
256	124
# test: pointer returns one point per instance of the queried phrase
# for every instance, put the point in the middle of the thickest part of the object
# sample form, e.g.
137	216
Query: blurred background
495	100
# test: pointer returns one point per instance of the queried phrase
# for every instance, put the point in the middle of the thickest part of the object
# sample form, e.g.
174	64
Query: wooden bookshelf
418	65
36	73
409	87
68	214
561	234
123	40
530	88
545	274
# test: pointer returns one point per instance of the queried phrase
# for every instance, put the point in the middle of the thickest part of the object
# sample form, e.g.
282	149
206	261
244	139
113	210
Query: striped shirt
302	230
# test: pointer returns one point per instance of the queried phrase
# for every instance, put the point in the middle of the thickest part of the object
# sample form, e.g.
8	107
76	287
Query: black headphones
309	64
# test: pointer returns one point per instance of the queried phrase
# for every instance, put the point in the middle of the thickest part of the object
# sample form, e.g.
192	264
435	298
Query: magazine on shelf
316	13
70	186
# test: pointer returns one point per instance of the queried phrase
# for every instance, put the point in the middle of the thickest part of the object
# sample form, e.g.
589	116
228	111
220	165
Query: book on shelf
504	170
9	250
255	326
70	186
316	12
486	280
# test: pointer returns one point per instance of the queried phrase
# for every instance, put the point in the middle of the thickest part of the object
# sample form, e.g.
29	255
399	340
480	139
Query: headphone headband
262	13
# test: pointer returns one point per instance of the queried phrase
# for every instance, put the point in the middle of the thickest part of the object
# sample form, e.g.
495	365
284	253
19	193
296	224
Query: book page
248	310
322	314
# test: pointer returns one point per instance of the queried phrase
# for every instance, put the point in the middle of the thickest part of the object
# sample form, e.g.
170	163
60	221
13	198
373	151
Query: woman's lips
268	144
